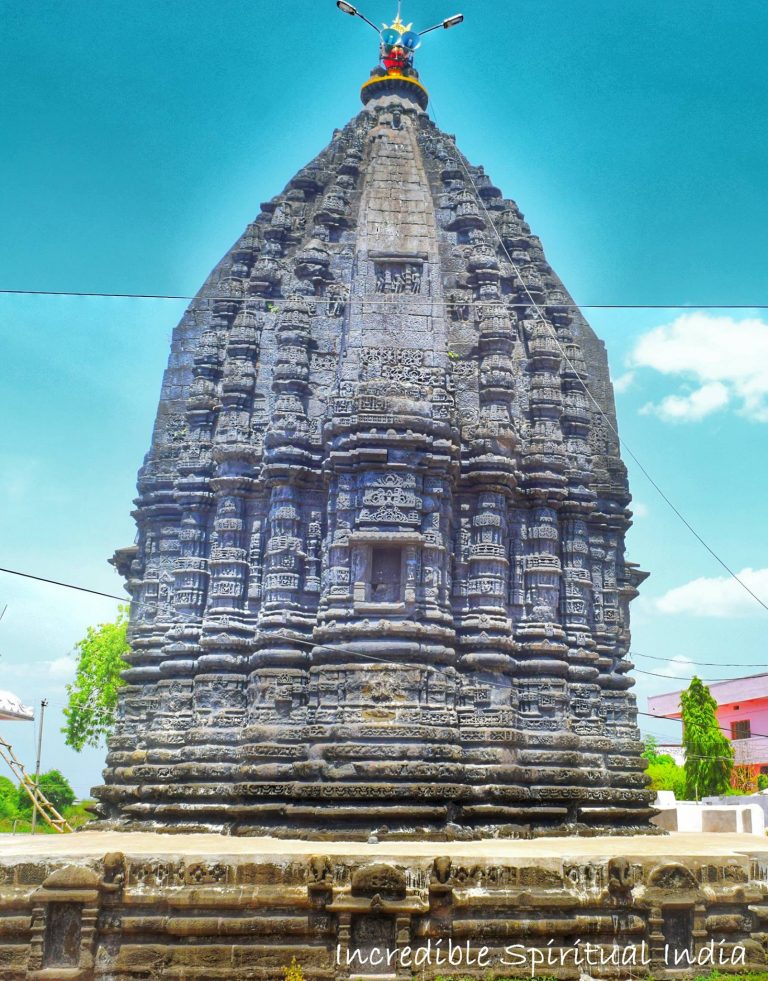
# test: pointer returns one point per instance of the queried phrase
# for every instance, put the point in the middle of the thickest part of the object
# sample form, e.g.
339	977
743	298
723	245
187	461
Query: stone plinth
124	907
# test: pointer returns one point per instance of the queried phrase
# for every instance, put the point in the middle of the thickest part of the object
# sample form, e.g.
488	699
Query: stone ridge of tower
379	579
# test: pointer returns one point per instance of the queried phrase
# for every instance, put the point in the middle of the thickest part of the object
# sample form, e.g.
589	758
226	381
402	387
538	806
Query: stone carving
195	917
672	877
379	541
336	295
383	880
398	277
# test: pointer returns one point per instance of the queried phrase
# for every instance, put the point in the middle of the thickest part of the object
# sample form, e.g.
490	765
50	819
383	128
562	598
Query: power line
704	664
669	718
379	298
688	756
370	657
325	647
667	660
657	674
66	585
384	298
597	405
120	296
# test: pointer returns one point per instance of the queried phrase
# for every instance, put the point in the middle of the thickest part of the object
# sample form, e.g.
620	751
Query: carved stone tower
380	576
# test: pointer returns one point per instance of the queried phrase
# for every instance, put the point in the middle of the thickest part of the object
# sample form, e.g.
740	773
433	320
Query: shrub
665	774
8	798
55	786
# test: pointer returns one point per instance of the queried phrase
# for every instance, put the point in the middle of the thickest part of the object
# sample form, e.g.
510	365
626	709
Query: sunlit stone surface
144	907
380	581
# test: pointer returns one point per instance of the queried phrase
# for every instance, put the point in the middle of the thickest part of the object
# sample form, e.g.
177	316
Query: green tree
664	773
708	752
53	785
651	751
650	747
90	711
8	798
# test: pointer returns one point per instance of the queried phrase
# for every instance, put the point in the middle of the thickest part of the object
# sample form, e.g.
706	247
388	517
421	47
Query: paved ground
93	844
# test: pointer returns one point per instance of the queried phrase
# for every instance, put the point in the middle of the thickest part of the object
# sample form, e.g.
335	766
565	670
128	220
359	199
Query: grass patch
76	814
713	976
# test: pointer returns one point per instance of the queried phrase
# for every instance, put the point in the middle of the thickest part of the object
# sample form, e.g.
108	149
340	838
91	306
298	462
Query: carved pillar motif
488	563
287	440
543	566
284	554
229	559
191	569
544	459
576	579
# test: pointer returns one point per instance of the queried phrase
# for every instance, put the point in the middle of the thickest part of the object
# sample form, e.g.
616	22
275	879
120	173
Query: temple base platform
153	907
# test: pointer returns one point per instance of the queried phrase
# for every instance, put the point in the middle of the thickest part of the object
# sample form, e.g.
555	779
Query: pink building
742	711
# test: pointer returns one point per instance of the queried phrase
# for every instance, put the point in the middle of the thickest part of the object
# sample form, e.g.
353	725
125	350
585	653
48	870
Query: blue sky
140	139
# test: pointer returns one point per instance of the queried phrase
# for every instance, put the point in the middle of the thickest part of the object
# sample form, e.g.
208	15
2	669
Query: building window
386	574
741	729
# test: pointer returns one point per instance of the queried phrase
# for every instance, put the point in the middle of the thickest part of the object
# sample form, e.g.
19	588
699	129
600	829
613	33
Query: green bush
54	786
665	774
8	798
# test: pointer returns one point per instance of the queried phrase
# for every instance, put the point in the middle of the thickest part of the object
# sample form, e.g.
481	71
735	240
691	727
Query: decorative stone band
394	84
191	906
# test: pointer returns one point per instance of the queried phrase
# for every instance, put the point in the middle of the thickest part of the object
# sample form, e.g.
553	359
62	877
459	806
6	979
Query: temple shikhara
380	579
380	592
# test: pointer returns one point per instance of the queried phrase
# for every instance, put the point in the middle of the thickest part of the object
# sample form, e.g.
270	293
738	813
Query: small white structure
760	799
12	709
695	816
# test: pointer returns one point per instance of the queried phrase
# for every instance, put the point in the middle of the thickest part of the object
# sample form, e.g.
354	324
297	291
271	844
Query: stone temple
380	592
379	582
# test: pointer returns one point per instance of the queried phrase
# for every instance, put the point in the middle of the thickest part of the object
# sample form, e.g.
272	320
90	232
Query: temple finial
398	44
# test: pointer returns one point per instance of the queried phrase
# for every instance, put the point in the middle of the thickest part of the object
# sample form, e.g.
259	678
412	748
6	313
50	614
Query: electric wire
400	298
704	664
666	660
371	657
655	674
658	674
66	585
333	649
597	405
384	298
292	638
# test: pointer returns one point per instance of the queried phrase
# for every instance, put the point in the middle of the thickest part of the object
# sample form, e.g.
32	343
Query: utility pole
43	704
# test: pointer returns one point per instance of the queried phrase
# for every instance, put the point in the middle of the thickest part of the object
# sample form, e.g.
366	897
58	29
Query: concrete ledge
90	844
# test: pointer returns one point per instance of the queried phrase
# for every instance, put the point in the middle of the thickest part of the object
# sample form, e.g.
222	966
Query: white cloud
53	675
690	408
719	596
640	510
726	358
623	382
62	668
679	666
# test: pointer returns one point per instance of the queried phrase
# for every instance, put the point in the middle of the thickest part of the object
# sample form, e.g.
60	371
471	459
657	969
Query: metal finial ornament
397	44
